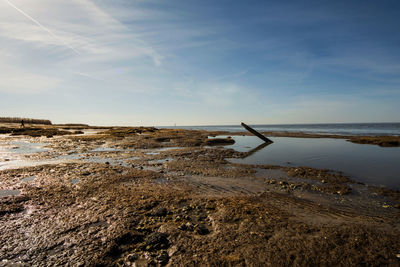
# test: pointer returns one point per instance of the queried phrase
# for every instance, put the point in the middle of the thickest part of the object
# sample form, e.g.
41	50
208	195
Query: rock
132	257
156	241
202	230
397	206
163	258
161	212
187	208
210	206
186	226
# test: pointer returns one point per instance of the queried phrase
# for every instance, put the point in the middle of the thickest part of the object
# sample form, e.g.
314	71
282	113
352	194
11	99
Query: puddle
106	149
161	180
25	147
7	193
168	148
158	151
159	161
28	179
152	153
75	181
151	168
20	163
11	153
365	163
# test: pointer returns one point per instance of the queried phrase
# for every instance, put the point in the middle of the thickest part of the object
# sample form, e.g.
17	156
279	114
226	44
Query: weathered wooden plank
262	137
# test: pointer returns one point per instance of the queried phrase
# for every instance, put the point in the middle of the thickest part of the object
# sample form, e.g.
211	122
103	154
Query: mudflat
125	196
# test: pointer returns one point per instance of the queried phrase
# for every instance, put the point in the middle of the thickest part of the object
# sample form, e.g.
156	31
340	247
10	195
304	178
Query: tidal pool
7	193
364	163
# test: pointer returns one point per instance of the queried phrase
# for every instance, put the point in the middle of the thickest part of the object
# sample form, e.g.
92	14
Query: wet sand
148	197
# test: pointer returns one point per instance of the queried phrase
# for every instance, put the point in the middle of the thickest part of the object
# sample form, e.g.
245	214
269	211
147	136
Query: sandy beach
142	196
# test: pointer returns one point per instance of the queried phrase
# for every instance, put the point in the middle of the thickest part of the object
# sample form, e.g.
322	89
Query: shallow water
365	163
28	179
6	193
25	147
11	152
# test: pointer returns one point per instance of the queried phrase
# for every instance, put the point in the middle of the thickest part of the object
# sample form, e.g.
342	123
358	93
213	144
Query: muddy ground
157	197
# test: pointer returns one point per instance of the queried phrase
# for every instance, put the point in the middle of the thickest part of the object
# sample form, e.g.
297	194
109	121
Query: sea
388	129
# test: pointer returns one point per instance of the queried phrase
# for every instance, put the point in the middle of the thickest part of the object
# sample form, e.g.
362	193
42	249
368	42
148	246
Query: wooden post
262	137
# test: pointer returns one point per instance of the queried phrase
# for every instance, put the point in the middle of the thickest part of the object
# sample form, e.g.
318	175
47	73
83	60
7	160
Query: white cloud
40	38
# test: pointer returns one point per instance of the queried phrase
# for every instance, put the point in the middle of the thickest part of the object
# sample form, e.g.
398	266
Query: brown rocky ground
153	197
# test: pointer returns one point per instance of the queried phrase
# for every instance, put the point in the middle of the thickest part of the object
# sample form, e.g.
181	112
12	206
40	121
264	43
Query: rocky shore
124	196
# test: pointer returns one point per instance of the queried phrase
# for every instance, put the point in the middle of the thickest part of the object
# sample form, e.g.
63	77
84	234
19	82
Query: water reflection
366	163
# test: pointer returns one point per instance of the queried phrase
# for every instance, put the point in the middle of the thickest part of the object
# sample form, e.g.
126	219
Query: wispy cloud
41	26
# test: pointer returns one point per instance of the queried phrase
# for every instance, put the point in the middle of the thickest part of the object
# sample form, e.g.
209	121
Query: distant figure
22	124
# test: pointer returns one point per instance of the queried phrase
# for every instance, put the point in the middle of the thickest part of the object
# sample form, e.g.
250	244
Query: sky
157	62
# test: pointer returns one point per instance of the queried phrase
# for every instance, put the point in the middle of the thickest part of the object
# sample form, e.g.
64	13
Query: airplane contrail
41	26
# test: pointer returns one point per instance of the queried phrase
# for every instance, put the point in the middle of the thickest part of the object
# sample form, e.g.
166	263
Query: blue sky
149	62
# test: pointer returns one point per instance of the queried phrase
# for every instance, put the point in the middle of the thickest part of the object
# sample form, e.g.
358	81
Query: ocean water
370	164
325	128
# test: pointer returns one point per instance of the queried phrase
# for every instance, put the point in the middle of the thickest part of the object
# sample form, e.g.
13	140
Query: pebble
202	230
186	226
156	240
133	257
163	258
161	212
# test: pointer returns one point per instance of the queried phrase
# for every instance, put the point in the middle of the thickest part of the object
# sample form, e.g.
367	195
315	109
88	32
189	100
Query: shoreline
147	196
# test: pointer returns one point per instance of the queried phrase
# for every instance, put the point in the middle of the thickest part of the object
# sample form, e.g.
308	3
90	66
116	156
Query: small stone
163	258
397	206
107	163
156	240
202	230
133	257
187	226
161	212
323	181
210	206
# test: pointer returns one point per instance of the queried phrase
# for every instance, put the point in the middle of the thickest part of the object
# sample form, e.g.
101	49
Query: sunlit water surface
370	164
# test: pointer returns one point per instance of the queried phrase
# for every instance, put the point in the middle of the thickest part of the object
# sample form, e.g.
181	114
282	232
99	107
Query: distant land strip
26	120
